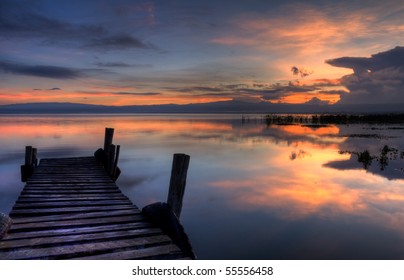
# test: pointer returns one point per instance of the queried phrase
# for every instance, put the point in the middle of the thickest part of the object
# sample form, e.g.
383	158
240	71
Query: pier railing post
34	157
30	163
111	159
177	182
109	135
28	155
115	165
109	156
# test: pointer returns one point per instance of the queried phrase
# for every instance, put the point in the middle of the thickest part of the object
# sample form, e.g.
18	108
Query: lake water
253	191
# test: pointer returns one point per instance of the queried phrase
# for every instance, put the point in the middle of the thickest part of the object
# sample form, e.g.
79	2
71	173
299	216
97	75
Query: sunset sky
126	52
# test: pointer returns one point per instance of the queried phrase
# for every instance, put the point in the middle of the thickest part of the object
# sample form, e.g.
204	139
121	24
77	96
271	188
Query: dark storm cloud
120	93
358	64
138	93
55	88
45	71
122	64
339	92
18	21
378	79
391	58
120	42
112	64
276	91
302	72
258	91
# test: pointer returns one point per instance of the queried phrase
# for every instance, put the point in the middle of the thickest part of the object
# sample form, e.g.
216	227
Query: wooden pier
71	208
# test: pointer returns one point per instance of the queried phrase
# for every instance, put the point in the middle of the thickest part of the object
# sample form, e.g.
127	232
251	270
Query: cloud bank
378	79
19	21
44	71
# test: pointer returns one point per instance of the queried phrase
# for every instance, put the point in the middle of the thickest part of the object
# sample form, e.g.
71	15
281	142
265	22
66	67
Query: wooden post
177	182
115	165
28	155
30	163
34	157
111	158
109	135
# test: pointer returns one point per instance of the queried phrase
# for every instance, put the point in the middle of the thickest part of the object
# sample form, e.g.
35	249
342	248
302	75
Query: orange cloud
304	35
103	97
305	30
302	187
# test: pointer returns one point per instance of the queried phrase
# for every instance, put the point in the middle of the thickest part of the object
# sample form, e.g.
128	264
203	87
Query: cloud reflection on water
237	170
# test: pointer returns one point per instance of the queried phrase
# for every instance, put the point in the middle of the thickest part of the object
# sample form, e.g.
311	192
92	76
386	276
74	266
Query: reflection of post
178	182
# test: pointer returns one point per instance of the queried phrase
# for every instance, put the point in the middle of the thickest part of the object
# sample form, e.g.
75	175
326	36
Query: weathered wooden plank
73	199
67	191
83	203
77	216
85	249
79	164
75	223
66	176
70	181
34	211
170	251
70	208
69	187
47	197
78	230
77	238
68	159
66	185
72	171
41	198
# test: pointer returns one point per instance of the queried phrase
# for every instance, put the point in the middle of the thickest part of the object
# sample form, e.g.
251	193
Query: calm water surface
253	191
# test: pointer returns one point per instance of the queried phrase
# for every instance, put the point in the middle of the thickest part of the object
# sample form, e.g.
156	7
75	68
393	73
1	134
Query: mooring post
28	155
177	182
109	135
30	163
115	165
34	157
111	159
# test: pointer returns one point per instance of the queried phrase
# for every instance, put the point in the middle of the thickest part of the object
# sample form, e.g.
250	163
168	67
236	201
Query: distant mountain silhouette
232	106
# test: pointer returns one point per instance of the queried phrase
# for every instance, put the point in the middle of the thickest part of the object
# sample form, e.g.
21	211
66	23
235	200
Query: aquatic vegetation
335	119
386	154
365	158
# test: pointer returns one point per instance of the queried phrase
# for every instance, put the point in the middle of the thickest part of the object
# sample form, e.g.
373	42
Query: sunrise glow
172	55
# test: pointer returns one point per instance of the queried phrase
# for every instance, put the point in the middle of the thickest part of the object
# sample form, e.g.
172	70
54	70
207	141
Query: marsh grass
325	119
386	155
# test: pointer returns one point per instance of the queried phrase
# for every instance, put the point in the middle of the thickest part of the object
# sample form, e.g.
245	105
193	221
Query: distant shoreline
223	107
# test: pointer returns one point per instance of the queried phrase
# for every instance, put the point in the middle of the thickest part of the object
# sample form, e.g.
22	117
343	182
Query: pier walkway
70	208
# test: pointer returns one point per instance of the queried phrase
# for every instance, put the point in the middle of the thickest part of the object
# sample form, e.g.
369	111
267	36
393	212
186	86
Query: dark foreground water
253	191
